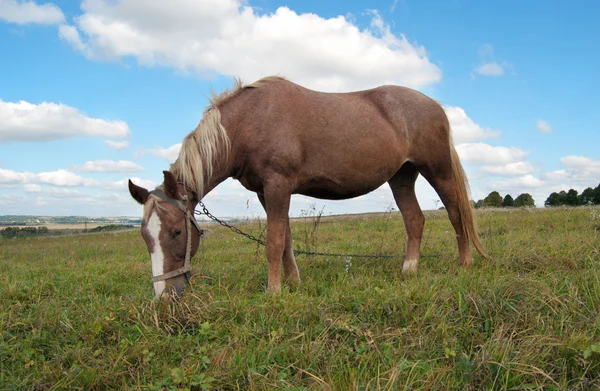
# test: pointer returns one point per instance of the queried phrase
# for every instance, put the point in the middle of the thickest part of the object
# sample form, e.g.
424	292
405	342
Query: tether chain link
296	252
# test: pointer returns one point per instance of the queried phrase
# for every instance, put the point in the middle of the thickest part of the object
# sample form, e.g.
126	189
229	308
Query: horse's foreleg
403	188
290	269
277	203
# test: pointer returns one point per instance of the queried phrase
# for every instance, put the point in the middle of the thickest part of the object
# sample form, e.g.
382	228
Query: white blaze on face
157	256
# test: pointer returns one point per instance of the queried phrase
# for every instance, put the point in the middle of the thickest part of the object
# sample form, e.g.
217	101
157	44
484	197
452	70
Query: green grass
77	312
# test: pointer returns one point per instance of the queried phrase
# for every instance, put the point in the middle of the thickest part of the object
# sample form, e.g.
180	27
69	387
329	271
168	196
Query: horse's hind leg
403	188
445	185
290	269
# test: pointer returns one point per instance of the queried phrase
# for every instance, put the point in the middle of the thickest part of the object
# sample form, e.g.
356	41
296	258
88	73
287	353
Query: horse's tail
461	184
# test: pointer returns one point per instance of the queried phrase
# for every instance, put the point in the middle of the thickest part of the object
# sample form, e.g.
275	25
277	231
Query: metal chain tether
296	252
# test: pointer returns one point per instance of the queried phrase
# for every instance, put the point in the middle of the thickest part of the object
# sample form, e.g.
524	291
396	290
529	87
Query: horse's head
170	231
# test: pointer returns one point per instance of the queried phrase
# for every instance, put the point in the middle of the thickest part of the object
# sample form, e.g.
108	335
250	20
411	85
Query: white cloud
32	188
490	69
516	168
488	154
543	126
117	145
230	38
54	191
109	166
9	176
580	162
23	121
489	65
578	168
464	129
26	12
123	183
520	184
70	34
56	178
64	178
170	154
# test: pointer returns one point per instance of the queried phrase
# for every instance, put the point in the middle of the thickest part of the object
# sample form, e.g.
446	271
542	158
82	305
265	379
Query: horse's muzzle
174	287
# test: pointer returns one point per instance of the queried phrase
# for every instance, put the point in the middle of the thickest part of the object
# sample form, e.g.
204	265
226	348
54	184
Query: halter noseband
189	219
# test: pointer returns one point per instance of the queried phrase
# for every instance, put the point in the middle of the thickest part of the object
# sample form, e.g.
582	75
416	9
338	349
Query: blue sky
96	92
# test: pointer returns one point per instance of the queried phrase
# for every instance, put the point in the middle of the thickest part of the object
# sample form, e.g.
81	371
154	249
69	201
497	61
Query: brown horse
278	138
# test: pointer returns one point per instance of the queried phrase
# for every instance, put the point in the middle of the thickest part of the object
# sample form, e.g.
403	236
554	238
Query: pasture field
78	312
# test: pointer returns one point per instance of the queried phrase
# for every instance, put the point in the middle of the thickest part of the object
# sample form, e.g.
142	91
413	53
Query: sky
93	93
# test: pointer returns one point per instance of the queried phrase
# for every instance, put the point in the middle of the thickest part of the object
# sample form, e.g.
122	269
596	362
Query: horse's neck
220	174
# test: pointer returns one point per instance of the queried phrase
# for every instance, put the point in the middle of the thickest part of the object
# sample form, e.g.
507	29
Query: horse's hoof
409	267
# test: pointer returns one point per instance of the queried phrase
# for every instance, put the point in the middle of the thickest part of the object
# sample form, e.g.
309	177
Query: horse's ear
138	193
171	188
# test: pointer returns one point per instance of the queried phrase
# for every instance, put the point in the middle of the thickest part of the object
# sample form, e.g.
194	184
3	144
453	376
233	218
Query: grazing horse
277	139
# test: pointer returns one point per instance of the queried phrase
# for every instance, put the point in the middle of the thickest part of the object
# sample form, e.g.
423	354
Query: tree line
495	200
26	232
587	197
570	198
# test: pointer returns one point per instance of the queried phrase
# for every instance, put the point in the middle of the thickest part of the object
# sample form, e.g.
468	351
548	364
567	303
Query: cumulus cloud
109	166
70	34
543	126
577	168
123	183
64	178
23	121
490	69
516	168
54	191
10	177
56	178
230	38
489	65
464	129
28	12
170	154
117	145
32	188
520	184
489	155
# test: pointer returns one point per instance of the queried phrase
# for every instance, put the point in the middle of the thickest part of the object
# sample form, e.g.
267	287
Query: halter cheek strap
189	219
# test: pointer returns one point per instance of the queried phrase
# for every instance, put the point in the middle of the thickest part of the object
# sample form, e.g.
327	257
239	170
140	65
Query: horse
278	138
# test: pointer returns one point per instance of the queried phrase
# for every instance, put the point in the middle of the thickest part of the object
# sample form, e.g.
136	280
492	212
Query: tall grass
78	313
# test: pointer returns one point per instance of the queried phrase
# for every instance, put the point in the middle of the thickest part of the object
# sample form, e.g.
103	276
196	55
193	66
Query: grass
77	312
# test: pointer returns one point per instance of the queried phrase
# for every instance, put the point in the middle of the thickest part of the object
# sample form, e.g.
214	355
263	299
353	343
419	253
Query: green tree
525	200
597	195
586	197
572	198
554	199
494	199
508	201
479	204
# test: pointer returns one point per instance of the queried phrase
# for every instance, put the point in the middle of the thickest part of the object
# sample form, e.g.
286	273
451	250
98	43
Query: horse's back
333	145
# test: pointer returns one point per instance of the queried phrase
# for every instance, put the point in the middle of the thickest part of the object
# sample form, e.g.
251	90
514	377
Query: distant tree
572	198
554	199
479	204
494	199
508	201
586	197
524	199
597	195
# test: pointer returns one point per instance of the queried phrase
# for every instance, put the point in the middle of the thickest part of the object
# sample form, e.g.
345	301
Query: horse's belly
330	190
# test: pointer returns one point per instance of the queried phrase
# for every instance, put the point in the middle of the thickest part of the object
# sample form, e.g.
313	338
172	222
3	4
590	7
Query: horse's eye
176	233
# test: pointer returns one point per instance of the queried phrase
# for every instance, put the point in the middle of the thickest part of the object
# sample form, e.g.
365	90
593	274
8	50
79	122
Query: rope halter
189	220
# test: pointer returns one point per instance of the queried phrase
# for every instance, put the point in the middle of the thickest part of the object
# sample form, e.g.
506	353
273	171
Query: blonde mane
208	141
